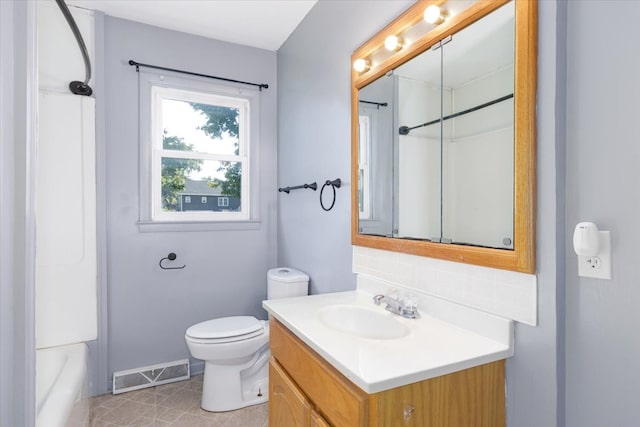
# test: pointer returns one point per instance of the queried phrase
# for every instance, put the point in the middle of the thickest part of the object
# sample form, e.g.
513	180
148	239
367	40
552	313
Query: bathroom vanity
429	372
305	390
443	166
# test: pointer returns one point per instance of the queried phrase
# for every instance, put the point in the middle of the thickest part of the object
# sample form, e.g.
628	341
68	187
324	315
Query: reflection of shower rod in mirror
377	104
404	130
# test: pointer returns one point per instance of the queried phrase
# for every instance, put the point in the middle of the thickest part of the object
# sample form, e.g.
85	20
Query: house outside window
211	198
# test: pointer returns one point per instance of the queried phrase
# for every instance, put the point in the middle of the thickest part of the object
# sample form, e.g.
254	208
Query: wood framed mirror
443	134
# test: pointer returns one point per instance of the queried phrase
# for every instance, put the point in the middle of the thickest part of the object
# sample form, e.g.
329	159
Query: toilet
235	349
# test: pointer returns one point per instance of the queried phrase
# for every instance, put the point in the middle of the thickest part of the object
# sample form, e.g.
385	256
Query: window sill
169	226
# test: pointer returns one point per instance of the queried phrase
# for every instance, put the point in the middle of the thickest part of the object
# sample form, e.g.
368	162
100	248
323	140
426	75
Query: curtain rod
139	64
404	130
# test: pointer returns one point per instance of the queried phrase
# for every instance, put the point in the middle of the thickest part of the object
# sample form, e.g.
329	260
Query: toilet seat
226	329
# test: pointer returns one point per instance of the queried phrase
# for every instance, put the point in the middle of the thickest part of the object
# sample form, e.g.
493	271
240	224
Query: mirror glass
443	134
436	141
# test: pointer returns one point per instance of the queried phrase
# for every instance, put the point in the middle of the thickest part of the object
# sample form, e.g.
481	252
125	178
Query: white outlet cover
599	266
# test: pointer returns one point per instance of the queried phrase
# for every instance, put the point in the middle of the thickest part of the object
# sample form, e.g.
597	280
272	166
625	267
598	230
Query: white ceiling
265	24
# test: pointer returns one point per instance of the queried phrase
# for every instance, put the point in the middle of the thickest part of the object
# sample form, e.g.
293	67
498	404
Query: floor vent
150	376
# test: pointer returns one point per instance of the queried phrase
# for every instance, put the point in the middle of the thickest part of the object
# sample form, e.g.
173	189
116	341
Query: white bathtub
61	385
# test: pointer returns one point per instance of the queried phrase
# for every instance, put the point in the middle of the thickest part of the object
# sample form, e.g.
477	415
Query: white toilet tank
286	282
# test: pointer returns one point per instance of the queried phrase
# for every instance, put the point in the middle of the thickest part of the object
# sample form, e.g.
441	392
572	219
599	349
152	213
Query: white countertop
447	338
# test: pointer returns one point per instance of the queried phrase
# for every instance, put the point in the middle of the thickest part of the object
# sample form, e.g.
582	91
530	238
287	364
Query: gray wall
18	86
314	133
533	389
149	309
7	317
314	139
602	344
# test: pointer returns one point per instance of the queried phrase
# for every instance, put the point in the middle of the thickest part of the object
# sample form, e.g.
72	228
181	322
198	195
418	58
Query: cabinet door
341	402
317	420
471	397
288	407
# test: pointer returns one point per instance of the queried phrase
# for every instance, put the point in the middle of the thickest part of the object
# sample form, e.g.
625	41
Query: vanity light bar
433	14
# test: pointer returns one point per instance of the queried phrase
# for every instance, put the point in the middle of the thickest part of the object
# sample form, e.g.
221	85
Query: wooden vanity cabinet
287	405
317	420
304	390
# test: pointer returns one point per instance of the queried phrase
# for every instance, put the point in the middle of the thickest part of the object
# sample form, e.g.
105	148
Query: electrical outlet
598	267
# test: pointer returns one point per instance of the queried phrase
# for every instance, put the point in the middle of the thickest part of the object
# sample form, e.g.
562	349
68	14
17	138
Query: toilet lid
225	327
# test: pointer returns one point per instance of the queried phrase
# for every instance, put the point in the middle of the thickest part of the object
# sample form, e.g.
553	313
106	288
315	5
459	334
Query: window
364	173
199	145
223	202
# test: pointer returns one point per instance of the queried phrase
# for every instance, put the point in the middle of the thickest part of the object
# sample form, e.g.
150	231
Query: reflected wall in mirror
444	140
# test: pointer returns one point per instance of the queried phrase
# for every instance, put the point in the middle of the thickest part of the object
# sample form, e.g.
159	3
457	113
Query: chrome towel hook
171	257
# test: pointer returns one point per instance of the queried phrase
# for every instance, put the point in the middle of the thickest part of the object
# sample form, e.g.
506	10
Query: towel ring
336	183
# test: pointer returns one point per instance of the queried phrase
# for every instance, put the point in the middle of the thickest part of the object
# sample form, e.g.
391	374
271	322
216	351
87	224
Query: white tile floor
176	404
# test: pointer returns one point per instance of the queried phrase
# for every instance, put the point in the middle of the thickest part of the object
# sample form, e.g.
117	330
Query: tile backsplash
504	293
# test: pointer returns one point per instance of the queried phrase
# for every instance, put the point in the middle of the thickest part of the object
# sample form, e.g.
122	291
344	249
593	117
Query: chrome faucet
402	305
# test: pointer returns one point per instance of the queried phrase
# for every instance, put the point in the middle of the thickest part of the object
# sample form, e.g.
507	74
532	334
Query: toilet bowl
236	350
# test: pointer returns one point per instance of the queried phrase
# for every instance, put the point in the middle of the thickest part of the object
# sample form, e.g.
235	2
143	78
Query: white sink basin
363	322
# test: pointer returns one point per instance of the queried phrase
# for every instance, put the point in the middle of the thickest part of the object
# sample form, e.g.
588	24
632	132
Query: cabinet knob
408	411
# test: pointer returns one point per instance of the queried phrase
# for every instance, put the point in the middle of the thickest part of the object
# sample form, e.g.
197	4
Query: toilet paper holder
171	257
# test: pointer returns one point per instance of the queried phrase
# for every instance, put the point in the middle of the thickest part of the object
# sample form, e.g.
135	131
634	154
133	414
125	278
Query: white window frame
187	199
364	165
158	94
150	219
223	201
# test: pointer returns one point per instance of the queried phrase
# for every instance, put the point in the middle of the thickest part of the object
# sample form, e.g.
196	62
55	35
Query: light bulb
393	43
361	65
433	15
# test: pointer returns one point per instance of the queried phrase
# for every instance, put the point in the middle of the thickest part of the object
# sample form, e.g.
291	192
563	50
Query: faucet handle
404	304
409	303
